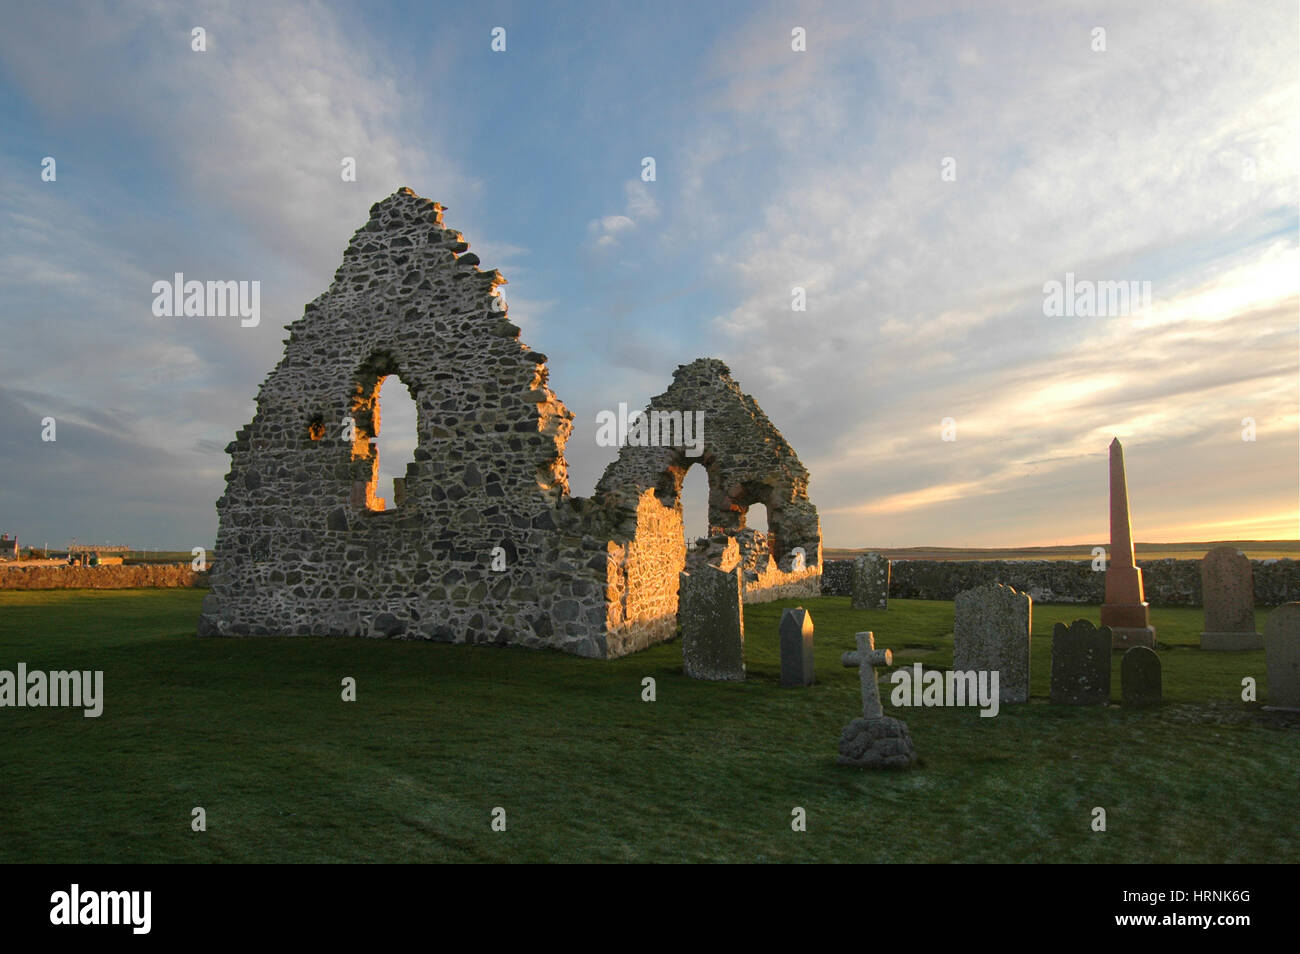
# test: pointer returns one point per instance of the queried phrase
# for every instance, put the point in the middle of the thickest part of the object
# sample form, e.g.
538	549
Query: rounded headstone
1139	677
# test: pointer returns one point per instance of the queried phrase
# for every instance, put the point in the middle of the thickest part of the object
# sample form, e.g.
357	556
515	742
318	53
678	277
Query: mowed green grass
255	732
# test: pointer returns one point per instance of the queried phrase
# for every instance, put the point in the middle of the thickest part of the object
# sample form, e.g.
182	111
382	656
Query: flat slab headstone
796	647
991	630
1228	595
1080	664
1282	656
713	625
1139	677
876	740
870	582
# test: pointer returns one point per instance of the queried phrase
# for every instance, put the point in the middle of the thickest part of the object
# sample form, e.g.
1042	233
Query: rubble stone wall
485	544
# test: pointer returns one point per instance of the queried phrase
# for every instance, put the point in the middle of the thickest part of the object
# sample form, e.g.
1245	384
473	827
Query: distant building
88	555
8	547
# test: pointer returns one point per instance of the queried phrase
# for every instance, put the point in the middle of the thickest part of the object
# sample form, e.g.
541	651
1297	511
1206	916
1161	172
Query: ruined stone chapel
485	545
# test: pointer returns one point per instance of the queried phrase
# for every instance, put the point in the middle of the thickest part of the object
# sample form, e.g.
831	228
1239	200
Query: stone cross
866	659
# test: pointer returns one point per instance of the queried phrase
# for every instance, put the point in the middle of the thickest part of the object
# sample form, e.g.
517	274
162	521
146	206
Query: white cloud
640	207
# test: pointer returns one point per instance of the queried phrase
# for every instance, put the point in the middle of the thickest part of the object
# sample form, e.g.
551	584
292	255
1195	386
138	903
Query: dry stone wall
120	577
1166	582
485	544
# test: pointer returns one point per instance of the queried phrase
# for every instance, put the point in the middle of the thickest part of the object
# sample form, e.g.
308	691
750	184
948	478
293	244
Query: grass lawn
255	732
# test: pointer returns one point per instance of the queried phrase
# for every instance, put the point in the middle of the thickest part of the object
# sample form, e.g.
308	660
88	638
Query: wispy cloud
640	207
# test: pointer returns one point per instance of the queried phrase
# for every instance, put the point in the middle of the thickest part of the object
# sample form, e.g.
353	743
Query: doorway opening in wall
395	440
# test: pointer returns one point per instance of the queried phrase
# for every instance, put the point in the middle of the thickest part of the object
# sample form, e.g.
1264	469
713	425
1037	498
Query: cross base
883	743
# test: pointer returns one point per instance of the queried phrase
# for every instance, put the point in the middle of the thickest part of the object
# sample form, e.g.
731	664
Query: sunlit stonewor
1125	610
308	548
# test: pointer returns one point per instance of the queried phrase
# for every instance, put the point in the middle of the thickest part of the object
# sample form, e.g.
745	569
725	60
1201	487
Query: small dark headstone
796	647
1139	677
1080	664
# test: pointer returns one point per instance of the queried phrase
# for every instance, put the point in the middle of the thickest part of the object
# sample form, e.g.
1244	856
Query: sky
921	170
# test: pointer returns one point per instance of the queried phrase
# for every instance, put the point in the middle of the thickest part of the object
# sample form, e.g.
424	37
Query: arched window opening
756	523
695	505
395	441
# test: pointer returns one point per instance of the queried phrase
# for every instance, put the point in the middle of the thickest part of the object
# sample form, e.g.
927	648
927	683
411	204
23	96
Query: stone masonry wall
747	462
1165	582
485	544
642	578
306	548
763	578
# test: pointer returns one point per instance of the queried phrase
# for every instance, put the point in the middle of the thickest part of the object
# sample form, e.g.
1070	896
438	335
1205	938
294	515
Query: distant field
131	556
162	556
1256	549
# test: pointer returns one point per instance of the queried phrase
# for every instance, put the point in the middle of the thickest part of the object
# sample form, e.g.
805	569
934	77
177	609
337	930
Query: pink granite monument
1125	610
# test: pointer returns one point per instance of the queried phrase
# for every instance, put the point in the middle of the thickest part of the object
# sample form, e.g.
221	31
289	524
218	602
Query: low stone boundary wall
1166	582
100	577
776	584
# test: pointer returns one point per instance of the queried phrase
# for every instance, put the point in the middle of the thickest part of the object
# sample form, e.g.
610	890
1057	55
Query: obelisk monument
1125	610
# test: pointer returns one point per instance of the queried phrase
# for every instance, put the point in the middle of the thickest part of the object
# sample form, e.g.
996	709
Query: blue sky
1169	157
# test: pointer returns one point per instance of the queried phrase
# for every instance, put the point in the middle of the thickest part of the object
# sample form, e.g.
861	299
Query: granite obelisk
1125	609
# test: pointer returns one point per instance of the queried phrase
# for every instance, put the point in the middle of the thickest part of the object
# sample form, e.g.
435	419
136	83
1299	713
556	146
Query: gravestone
1080	664
1228	595
991	628
796	647
1282	657
713	625
870	582
1139	677
875	740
